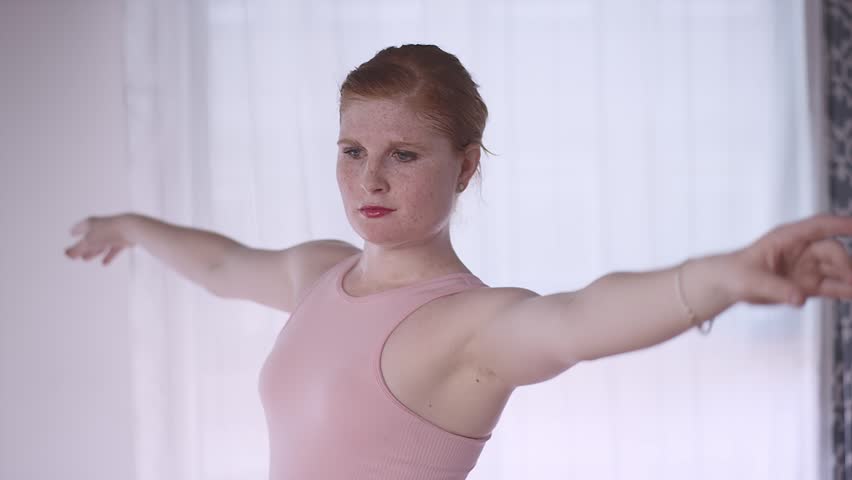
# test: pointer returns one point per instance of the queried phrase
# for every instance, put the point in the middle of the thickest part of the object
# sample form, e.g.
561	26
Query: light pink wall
65	407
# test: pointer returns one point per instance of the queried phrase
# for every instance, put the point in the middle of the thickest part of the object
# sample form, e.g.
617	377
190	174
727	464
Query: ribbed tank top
329	412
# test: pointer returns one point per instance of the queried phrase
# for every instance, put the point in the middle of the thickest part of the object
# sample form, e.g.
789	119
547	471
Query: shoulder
317	256
479	306
493	299
314	259
327	249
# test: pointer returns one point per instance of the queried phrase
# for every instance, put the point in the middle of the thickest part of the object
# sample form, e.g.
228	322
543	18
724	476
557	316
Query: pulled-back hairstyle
432	82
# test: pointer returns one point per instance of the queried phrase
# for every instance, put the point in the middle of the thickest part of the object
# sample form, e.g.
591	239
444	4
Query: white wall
64	393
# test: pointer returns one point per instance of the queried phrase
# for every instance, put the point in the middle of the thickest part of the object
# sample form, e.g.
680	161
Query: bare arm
230	269
536	337
533	338
192	252
627	311
221	265
276	278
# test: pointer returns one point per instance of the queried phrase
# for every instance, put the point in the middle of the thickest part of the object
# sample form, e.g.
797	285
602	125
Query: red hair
431	81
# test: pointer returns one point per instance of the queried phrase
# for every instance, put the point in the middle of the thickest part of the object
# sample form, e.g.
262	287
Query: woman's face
388	157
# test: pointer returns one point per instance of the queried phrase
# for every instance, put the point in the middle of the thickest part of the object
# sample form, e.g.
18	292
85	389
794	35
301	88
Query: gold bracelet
693	318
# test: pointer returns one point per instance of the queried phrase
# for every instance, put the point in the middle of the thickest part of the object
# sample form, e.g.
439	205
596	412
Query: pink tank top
329	412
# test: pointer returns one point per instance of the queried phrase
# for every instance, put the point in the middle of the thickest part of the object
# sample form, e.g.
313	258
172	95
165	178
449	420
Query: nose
372	180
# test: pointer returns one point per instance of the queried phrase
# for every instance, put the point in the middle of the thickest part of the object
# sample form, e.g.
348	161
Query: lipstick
371	211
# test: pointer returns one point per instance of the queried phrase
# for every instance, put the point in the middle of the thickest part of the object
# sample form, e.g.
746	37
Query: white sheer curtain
631	135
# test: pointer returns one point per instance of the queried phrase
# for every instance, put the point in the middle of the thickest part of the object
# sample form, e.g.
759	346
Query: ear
470	160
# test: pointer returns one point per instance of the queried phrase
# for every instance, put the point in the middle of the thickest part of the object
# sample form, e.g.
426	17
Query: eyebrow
392	144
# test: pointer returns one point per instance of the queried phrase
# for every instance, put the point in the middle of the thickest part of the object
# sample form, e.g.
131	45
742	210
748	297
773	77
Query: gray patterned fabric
837	23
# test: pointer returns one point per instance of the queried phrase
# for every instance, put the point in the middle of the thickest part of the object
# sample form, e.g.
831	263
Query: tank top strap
443	286
326	282
409	301
417	293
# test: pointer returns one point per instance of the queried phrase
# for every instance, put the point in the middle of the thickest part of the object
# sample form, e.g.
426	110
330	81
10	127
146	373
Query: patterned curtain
837	23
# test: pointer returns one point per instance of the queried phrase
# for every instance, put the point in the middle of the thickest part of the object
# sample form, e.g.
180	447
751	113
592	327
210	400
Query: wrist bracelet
693	318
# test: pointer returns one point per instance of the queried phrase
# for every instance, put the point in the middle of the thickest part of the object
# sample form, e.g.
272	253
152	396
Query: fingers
77	251
828	270
833	258
839	272
92	254
774	289
79	228
73	251
819	227
832	288
112	253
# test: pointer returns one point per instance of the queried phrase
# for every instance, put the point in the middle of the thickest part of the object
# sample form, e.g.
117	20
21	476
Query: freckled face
390	158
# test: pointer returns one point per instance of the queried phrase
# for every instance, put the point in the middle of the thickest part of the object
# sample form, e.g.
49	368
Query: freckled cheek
428	204
346	181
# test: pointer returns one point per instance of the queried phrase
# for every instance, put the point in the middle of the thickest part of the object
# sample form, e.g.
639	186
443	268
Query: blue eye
401	155
350	151
404	156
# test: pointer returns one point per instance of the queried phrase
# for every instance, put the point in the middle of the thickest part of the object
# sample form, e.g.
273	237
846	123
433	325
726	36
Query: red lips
374	211
376	208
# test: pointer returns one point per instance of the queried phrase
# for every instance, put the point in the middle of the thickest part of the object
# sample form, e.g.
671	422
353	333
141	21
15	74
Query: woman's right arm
221	265
276	278
193	252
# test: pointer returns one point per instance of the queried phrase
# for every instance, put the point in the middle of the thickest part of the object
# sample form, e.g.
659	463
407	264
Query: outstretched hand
795	261
100	234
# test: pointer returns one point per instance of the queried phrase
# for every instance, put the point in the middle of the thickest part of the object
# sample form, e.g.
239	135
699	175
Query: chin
378	237
383	235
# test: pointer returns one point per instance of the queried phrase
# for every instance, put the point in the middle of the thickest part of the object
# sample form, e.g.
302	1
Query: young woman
397	361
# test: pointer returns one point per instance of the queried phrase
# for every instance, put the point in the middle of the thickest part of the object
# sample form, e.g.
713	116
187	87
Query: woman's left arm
626	311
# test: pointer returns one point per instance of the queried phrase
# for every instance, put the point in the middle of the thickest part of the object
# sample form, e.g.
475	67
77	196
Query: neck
410	262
